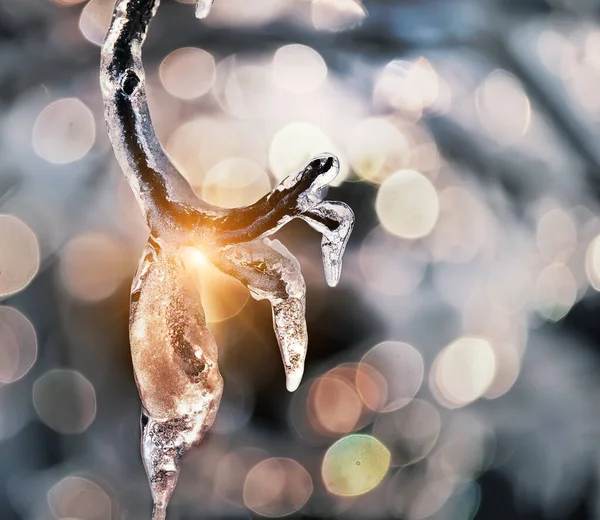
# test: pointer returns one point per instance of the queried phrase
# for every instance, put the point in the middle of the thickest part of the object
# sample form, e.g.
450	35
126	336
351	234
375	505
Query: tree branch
164	196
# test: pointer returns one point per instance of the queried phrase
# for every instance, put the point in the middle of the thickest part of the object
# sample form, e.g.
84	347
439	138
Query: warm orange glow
222	296
336	404
333	404
235	182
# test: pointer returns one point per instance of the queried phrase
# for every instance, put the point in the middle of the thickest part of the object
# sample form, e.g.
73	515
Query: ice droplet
203	8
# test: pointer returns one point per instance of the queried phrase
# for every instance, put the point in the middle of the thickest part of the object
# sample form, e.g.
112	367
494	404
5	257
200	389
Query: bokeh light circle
355	465
231	470
592	263
503	107
334	406
555	291
377	148
64	131
508	367
464	227
408	86
236	13
95	19
188	73
298	68
65	401
200	144
407	204
18	345
79	498
277	487
19	255
463	371
235	182
556	235
409	433
296	144
93	266
402	368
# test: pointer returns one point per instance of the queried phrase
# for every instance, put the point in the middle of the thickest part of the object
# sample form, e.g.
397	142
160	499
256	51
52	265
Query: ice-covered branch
164	196
158	186
174	354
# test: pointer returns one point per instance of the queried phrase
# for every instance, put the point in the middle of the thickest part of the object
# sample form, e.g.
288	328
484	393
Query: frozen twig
174	354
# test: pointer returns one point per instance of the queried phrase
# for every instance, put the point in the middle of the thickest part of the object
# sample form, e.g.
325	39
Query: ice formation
203	8
174	354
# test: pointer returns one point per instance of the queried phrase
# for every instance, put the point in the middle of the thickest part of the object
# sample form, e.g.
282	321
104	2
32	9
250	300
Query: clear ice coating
272	273
175	364
333	243
175	358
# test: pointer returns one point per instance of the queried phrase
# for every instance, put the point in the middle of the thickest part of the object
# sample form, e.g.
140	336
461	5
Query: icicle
203	8
333	243
272	273
289	319
290	329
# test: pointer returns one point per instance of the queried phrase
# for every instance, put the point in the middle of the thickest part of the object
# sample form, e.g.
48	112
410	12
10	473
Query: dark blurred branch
513	172
552	103
26	62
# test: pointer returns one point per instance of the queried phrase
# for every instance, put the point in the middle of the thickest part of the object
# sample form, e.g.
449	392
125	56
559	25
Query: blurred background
452	375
